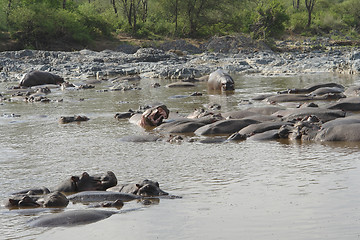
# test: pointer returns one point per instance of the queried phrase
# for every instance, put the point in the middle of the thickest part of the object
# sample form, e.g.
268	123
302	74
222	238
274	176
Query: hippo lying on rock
220	81
88	183
40	78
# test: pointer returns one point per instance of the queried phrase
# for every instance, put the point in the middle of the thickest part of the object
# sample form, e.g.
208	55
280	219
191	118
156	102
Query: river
235	190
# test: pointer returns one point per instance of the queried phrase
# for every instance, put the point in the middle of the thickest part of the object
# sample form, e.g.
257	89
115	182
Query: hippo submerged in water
88	183
146	188
36	78
54	199
152	117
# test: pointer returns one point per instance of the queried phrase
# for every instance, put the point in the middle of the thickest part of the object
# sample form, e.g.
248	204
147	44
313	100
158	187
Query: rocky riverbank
181	60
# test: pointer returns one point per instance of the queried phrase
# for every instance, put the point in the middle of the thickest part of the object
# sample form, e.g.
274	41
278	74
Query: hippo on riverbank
220	81
70	218
152	117
40	78
86	182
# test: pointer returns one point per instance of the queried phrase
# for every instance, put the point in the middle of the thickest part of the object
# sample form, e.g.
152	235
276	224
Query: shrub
270	19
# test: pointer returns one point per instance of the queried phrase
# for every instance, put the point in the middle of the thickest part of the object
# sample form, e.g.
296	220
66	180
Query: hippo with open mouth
152	117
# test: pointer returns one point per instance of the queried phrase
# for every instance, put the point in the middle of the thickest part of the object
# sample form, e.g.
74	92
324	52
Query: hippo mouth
155	116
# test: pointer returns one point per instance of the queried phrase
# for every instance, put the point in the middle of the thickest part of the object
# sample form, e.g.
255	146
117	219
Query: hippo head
154	116
148	188
227	83
108	180
55	199
22	202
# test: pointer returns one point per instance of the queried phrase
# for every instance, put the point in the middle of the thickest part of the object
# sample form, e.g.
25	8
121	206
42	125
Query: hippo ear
74	178
85	175
138	185
13	202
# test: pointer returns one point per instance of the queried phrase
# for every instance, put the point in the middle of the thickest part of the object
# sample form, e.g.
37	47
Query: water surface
243	190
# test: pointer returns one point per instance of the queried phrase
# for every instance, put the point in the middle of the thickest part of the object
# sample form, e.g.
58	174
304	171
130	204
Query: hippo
289	98
78	118
224	127
99	196
347	104
262	127
33	191
36	78
180	84
88	183
70	218
220	81
299	113
141	138
21	201
341	121
186	125
54	199
342	132
146	188
327	90
152	117
312	88
266	136
107	204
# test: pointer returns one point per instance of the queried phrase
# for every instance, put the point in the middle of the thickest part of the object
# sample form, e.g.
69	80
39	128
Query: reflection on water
256	190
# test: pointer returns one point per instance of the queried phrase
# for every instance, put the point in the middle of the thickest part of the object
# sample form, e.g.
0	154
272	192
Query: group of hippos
321	112
99	190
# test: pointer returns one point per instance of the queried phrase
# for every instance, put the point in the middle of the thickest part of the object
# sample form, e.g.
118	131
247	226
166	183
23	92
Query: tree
309	6
296	4
196	13
134	10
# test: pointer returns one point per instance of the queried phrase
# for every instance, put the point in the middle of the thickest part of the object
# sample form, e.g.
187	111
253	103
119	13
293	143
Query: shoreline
180	60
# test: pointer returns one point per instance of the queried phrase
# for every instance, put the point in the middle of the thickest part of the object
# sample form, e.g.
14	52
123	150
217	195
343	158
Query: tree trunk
8	10
64	4
296	4
176	16
114	6
134	16
309	6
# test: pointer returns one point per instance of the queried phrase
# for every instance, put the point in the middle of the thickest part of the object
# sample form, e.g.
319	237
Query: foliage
269	19
36	23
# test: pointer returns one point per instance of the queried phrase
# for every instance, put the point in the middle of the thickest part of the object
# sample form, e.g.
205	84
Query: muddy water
244	190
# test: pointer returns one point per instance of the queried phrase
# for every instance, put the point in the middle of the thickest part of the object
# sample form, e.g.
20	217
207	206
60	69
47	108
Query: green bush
28	26
297	22
93	21
328	21
269	20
